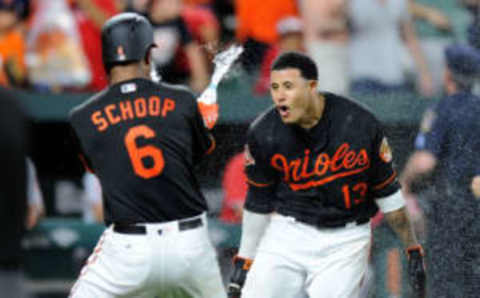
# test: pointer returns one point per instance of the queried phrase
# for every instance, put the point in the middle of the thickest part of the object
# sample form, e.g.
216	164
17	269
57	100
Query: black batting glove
416	271
240	270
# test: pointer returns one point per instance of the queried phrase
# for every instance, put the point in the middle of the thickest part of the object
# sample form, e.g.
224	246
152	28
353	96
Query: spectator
205	30
377	50
90	16
234	185
54	59
13	195
256	27
12	46
326	41
437	24
172	35
452	199
290	32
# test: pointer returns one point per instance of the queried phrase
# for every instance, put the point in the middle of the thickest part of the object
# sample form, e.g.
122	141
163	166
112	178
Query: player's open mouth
283	111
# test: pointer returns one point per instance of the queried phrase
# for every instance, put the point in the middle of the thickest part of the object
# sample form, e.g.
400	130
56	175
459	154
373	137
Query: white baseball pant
165	262
298	260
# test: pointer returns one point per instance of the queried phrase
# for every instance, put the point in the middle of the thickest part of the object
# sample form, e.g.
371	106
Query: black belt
357	222
331	224
183	225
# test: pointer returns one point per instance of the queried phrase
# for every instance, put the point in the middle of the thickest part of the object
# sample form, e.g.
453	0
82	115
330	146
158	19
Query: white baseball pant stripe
296	260
163	263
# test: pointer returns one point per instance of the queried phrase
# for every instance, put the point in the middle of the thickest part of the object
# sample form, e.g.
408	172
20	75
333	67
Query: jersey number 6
137	154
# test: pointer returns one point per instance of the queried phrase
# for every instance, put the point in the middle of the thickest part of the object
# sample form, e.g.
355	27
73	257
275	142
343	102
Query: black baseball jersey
326	176
142	140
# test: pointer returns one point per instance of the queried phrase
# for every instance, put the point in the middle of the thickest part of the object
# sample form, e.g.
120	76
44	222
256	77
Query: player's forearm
400	223
253	227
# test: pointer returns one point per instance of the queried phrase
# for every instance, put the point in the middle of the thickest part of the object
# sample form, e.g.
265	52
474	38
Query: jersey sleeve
77	148
257	167
261	178
383	177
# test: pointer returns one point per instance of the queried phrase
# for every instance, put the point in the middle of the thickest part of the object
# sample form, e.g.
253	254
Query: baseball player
142	140
447	153
319	167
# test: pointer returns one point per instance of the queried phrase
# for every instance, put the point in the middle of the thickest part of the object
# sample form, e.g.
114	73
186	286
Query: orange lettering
168	105
112	118
140	107
99	121
126	109
360	188
362	158
306	161
323	160
341	151
345	162
295	165
349	160
154	106
282	166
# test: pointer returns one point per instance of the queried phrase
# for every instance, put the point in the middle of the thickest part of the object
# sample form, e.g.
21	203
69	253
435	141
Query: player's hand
207	104
416	271
207	101
240	270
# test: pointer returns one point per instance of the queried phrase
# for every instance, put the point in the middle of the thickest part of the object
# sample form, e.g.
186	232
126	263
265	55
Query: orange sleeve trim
212	146
258	184
386	182
85	164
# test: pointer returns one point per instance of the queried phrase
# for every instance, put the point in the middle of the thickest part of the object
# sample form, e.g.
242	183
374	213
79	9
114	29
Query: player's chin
289	119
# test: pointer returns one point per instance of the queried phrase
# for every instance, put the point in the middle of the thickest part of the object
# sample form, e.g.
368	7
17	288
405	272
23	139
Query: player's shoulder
344	106
263	122
182	91
92	100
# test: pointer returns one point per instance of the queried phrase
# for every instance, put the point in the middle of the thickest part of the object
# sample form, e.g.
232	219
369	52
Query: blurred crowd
360	46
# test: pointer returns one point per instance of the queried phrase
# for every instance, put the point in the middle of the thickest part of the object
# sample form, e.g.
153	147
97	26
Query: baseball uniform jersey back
142	139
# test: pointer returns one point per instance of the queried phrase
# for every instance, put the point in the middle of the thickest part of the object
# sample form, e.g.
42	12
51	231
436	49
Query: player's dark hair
302	62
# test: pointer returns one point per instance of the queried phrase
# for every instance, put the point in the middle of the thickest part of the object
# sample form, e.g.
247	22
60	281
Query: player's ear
148	55
448	81
312	85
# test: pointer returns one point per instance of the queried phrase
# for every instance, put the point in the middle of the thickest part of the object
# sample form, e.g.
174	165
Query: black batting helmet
126	38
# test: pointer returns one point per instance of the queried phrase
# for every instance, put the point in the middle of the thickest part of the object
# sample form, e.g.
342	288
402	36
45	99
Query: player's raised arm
207	101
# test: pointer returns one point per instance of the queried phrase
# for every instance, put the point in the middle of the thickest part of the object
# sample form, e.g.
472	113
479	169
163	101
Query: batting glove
416	270
240	270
